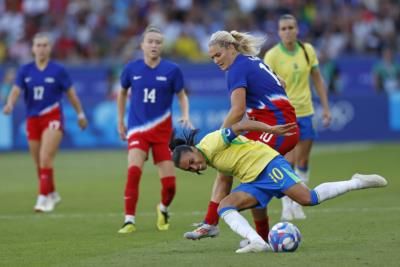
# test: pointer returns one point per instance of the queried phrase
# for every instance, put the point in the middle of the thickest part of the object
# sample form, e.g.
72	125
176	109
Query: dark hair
290	16
182	145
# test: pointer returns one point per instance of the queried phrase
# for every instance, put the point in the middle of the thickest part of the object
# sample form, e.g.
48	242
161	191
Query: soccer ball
284	237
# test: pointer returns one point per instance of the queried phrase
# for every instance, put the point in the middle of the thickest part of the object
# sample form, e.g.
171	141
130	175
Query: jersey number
38	92
264	67
266	137
149	95
276	175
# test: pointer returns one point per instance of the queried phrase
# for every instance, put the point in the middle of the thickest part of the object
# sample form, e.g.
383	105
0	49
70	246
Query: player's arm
322	93
12	99
256	126
76	104
238	107
184	105
121	104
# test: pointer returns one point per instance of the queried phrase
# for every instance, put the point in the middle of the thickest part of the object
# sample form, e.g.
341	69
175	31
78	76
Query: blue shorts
273	181
307	131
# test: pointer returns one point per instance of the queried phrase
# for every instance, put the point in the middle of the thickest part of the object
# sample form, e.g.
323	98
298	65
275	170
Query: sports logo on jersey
27	79
134	142
49	80
137	78
161	78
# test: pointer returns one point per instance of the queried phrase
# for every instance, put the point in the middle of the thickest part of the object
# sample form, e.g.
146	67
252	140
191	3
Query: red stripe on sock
168	189
132	190
212	213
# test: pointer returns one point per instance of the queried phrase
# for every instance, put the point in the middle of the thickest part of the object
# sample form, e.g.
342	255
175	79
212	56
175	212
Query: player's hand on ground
284	129
82	122
7	109
122	131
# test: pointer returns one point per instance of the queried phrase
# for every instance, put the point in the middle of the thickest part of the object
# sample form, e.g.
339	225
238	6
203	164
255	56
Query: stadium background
95	38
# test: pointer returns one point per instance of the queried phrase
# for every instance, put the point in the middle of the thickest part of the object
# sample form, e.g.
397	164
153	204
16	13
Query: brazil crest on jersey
263	90
43	89
152	92
242	158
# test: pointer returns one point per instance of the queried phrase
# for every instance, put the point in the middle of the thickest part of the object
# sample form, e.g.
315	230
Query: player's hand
185	123
82	122
282	81
326	117
285	129
7	109
122	131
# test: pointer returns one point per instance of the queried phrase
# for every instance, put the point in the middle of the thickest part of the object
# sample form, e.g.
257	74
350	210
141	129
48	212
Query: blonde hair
151	28
43	35
244	43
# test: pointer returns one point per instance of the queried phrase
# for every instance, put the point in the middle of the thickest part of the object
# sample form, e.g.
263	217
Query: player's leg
302	156
50	142
302	151
221	188
228	210
287	213
306	197
136	158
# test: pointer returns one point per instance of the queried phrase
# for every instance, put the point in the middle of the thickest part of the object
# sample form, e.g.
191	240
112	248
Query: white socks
240	225
330	190
303	175
162	207
130	218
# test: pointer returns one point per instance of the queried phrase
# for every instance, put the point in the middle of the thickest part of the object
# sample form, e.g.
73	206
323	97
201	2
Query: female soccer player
43	83
263	174
295	62
256	92
153	82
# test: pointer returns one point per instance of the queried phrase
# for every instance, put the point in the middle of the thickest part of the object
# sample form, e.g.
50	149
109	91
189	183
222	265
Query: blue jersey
152	92
262	86
43	89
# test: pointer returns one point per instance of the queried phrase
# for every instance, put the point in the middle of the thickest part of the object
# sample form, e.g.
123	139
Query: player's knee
304	200
226	204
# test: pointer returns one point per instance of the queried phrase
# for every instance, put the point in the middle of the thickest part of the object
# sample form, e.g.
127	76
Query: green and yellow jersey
293	68
241	158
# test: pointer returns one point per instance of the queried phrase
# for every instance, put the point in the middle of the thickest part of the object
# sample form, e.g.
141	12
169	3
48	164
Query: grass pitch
358	229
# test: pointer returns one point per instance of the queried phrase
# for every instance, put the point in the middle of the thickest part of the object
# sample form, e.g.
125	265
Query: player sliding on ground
263	174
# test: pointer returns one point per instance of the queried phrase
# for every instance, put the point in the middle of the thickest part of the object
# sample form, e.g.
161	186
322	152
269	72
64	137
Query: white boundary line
56	215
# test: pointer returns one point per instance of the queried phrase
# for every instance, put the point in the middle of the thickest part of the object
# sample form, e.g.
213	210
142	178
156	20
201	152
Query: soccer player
152	81
295	62
263	174
43	83
255	92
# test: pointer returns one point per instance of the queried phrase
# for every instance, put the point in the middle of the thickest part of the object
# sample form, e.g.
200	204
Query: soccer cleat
287	213
127	228
243	243
55	197
43	204
203	231
369	180
297	211
162	219
254	247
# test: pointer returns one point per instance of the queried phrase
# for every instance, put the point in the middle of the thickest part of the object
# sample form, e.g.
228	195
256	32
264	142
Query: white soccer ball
284	237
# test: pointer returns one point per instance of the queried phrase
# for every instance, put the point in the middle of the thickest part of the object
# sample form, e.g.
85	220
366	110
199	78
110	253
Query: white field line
344	147
56	215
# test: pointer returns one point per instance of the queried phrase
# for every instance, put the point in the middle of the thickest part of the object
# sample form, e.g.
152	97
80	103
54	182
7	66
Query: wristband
228	135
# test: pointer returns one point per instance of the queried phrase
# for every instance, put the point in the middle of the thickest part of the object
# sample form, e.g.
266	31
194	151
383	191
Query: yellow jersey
293	68
242	158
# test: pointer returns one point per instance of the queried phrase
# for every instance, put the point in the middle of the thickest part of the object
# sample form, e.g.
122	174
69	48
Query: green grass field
358	229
